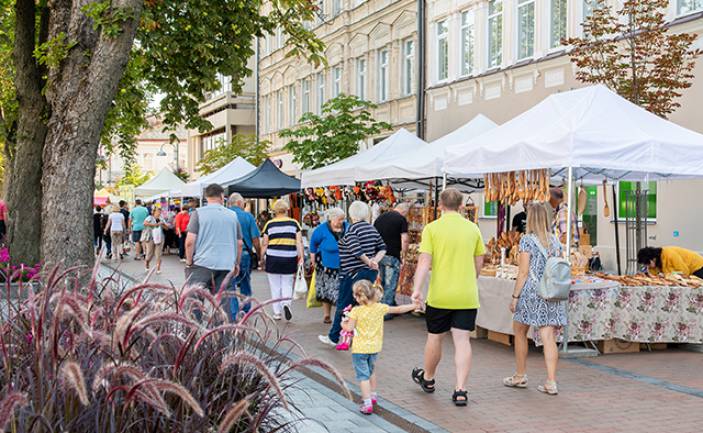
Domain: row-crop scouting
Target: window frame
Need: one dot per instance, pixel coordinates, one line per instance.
(292, 105)
(320, 101)
(305, 95)
(383, 94)
(441, 39)
(337, 7)
(280, 108)
(337, 80)
(408, 67)
(520, 4)
(467, 26)
(677, 8)
(498, 16)
(550, 25)
(361, 77)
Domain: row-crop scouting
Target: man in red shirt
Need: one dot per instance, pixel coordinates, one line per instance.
(181, 223)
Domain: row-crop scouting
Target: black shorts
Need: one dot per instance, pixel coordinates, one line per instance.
(440, 320)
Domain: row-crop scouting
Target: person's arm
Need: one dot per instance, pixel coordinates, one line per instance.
(255, 235)
(299, 244)
(108, 225)
(422, 269)
(402, 309)
(264, 247)
(190, 248)
(349, 324)
(404, 243)
(479, 252)
(381, 250)
(522, 274)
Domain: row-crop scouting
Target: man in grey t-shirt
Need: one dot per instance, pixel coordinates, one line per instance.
(213, 244)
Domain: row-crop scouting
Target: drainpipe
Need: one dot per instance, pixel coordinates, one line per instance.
(421, 69)
(257, 126)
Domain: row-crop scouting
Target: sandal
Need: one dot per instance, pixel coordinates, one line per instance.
(418, 376)
(460, 398)
(549, 388)
(516, 381)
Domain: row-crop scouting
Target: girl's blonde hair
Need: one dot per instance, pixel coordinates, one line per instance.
(280, 207)
(366, 293)
(539, 222)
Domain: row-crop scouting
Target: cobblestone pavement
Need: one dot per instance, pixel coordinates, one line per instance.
(641, 392)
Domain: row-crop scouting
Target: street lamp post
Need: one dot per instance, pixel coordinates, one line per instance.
(175, 144)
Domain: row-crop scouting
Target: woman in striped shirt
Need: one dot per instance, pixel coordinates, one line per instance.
(360, 250)
(281, 252)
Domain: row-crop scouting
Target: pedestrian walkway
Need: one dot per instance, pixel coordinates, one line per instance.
(641, 392)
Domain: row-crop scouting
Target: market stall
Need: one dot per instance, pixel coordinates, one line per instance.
(235, 169)
(591, 134)
(266, 181)
(163, 182)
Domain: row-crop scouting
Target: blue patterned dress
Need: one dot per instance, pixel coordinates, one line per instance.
(531, 308)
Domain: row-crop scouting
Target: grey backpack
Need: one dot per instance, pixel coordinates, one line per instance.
(556, 280)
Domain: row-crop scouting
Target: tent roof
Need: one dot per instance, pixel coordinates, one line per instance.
(265, 181)
(426, 161)
(235, 169)
(164, 181)
(591, 129)
(350, 170)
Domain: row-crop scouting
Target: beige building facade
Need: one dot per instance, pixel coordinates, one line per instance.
(371, 51)
(228, 113)
(500, 58)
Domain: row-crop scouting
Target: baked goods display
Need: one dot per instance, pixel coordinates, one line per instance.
(508, 240)
(513, 186)
(639, 280)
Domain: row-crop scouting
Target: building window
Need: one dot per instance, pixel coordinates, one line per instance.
(336, 7)
(687, 6)
(557, 22)
(320, 10)
(442, 51)
(279, 38)
(525, 29)
(588, 8)
(306, 95)
(627, 189)
(320, 91)
(495, 33)
(467, 43)
(336, 81)
(267, 113)
(358, 2)
(292, 105)
(383, 75)
(225, 83)
(408, 66)
(361, 78)
(279, 110)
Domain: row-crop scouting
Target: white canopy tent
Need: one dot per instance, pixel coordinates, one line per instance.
(427, 161)
(592, 130)
(351, 170)
(163, 182)
(237, 168)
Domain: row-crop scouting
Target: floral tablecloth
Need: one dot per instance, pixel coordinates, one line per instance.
(652, 314)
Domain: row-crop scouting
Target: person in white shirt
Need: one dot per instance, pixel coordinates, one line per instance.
(153, 237)
(116, 228)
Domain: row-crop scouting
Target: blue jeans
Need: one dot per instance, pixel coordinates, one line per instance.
(243, 280)
(364, 365)
(389, 270)
(346, 297)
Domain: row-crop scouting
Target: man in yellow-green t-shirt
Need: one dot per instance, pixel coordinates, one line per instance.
(453, 248)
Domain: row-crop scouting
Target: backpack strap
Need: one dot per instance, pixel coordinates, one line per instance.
(540, 247)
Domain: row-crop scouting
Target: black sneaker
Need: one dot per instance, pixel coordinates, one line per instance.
(287, 312)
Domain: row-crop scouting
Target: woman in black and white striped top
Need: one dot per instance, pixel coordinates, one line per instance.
(360, 250)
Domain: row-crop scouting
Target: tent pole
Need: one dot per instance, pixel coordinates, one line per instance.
(617, 230)
(436, 196)
(444, 181)
(569, 194)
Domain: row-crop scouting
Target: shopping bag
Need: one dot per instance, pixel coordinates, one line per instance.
(312, 301)
(300, 288)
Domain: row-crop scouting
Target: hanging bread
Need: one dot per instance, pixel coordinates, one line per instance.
(582, 200)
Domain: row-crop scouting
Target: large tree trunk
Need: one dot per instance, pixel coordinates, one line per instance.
(24, 192)
(80, 95)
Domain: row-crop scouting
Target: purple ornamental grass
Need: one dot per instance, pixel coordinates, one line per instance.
(83, 355)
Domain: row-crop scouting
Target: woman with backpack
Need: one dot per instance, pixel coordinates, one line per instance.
(529, 305)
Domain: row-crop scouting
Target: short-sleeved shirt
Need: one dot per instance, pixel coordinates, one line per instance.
(453, 242)
(368, 329)
(282, 250)
(361, 239)
(181, 221)
(138, 215)
(3, 210)
(116, 222)
(218, 231)
(391, 226)
(249, 229)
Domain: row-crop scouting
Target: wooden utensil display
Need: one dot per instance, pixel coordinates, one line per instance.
(582, 200)
(606, 208)
(511, 187)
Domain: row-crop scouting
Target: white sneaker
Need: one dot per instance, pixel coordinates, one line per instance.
(326, 340)
(183, 260)
(276, 317)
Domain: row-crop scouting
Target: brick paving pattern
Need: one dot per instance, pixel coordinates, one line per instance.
(592, 399)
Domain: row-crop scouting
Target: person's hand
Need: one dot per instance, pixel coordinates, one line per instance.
(513, 305)
(417, 297)
(235, 271)
(262, 262)
(373, 265)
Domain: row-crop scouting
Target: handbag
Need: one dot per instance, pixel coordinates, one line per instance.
(312, 301)
(555, 283)
(300, 287)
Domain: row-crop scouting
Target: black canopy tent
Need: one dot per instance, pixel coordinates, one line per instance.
(266, 181)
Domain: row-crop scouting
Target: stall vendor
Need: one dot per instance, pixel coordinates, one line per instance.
(671, 259)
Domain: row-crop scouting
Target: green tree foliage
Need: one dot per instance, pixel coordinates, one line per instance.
(244, 146)
(182, 174)
(133, 176)
(633, 52)
(8, 100)
(323, 139)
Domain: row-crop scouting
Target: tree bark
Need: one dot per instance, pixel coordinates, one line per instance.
(80, 95)
(24, 192)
